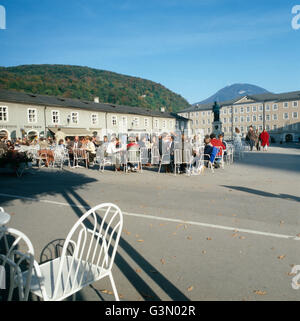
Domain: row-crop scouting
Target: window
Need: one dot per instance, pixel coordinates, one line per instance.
(74, 117)
(156, 123)
(208, 130)
(3, 113)
(124, 121)
(230, 110)
(267, 107)
(236, 119)
(248, 109)
(248, 119)
(268, 117)
(94, 119)
(286, 105)
(135, 121)
(275, 107)
(295, 114)
(260, 108)
(285, 115)
(197, 123)
(203, 121)
(171, 123)
(225, 120)
(242, 128)
(225, 129)
(295, 103)
(192, 114)
(274, 127)
(32, 117)
(225, 111)
(208, 113)
(55, 116)
(260, 117)
(267, 127)
(114, 120)
(254, 118)
(242, 110)
(254, 109)
(208, 121)
(294, 126)
(242, 119)
(203, 113)
(164, 124)
(235, 110)
(260, 127)
(146, 122)
(197, 114)
(275, 117)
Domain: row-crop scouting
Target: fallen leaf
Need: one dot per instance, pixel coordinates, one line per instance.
(138, 270)
(280, 257)
(162, 261)
(185, 226)
(234, 235)
(104, 291)
(128, 233)
(281, 222)
(190, 288)
(258, 292)
(242, 237)
(136, 235)
(291, 274)
(233, 214)
(140, 240)
(208, 238)
(189, 237)
(203, 252)
(174, 233)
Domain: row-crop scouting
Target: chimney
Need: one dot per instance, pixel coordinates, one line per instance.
(162, 109)
(96, 100)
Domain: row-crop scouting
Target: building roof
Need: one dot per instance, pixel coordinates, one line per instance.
(265, 97)
(55, 101)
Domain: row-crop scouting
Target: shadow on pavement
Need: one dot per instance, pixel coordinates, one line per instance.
(263, 193)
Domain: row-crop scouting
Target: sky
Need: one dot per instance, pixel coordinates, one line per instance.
(192, 47)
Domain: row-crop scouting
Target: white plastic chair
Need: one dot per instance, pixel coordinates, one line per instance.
(177, 159)
(103, 160)
(95, 243)
(134, 157)
(80, 154)
(14, 256)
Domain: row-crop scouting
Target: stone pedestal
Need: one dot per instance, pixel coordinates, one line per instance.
(217, 128)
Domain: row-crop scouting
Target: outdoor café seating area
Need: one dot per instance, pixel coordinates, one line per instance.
(165, 153)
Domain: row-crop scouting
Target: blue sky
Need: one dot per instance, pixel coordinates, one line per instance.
(192, 47)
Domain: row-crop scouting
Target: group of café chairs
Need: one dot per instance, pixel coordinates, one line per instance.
(87, 256)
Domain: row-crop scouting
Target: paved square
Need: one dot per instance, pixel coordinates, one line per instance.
(231, 235)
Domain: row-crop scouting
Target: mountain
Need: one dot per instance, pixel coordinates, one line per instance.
(86, 83)
(232, 92)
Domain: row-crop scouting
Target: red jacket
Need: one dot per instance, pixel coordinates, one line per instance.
(217, 143)
(264, 136)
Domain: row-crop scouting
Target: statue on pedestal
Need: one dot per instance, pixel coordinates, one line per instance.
(216, 111)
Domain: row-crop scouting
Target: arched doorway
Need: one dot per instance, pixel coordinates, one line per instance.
(4, 133)
(288, 138)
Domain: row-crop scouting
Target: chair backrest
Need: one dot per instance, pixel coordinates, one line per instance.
(144, 155)
(177, 156)
(155, 157)
(17, 253)
(187, 155)
(80, 153)
(95, 237)
(134, 156)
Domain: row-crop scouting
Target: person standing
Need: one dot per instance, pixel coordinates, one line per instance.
(264, 136)
(257, 142)
(251, 137)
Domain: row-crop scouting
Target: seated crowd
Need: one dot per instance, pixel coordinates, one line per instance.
(165, 144)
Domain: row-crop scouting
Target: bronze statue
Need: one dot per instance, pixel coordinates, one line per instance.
(216, 111)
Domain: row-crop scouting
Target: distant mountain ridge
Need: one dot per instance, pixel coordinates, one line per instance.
(87, 83)
(234, 91)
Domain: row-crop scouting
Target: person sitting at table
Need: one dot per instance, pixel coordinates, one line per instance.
(210, 152)
(91, 150)
(132, 146)
(217, 143)
(43, 143)
(73, 145)
(113, 153)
